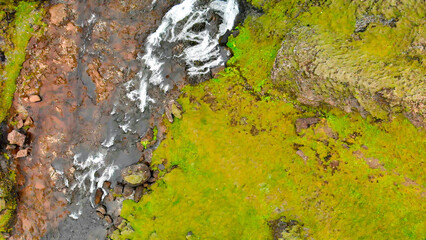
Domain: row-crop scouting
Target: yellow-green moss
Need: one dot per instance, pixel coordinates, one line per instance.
(18, 33)
(235, 162)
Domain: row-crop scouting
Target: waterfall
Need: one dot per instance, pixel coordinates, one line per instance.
(193, 24)
(187, 23)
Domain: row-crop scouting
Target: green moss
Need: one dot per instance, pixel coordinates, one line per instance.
(18, 33)
(230, 179)
(234, 162)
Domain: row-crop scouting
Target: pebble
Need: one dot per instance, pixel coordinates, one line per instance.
(34, 98)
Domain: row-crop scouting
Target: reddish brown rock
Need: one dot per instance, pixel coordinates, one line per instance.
(98, 196)
(16, 137)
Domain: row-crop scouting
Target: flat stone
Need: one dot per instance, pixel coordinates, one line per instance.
(16, 137)
(22, 153)
(34, 98)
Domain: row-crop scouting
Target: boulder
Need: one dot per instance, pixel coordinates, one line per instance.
(16, 137)
(136, 175)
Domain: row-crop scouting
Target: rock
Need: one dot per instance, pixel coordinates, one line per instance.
(374, 163)
(98, 196)
(111, 230)
(28, 122)
(118, 221)
(118, 189)
(136, 175)
(22, 153)
(57, 13)
(20, 124)
(108, 219)
(127, 191)
(106, 185)
(101, 209)
(100, 215)
(109, 198)
(176, 110)
(302, 155)
(16, 137)
(34, 98)
(304, 123)
(138, 193)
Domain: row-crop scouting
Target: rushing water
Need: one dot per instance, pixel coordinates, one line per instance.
(188, 35)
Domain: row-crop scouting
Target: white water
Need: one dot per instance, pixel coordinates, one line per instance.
(177, 27)
(200, 57)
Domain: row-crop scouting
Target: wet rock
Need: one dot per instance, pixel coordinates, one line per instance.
(16, 137)
(138, 193)
(304, 123)
(109, 198)
(118, 221)
(118, 189)
(111, 230)
(34, 98)
(102, 209)
(98, 195)
(108, 219)
(147, 140)
(100, 215)
(127, 191)
(106, 185)
(136, 175)
(22, 153)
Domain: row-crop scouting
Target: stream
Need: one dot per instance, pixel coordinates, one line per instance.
(184, 48)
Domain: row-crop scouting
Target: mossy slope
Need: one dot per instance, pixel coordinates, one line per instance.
(18, 21)
(366, 56)
(235, 162)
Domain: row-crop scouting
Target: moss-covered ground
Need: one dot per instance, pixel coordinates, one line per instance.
(234, 162)
(18, 19)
